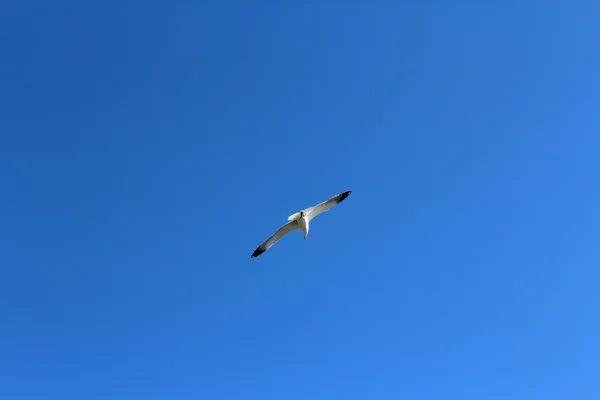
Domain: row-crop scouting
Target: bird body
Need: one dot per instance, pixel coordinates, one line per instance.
(303, 224)
(300, 220)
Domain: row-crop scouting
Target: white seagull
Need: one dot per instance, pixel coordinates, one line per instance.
(300, 221)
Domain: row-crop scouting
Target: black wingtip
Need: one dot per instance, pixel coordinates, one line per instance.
(344, 195)
(257, 252)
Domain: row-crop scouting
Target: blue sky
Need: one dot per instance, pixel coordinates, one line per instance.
(147, 148)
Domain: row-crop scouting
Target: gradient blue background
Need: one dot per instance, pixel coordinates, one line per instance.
(148, 147)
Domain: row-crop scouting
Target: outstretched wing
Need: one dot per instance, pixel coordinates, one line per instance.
(326, 205)
(284, 230)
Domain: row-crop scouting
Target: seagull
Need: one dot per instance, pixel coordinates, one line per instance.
(300, 220)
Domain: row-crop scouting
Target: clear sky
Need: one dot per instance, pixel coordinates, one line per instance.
(148, 147)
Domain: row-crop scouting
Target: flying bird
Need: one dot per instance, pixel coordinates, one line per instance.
(300, 220)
